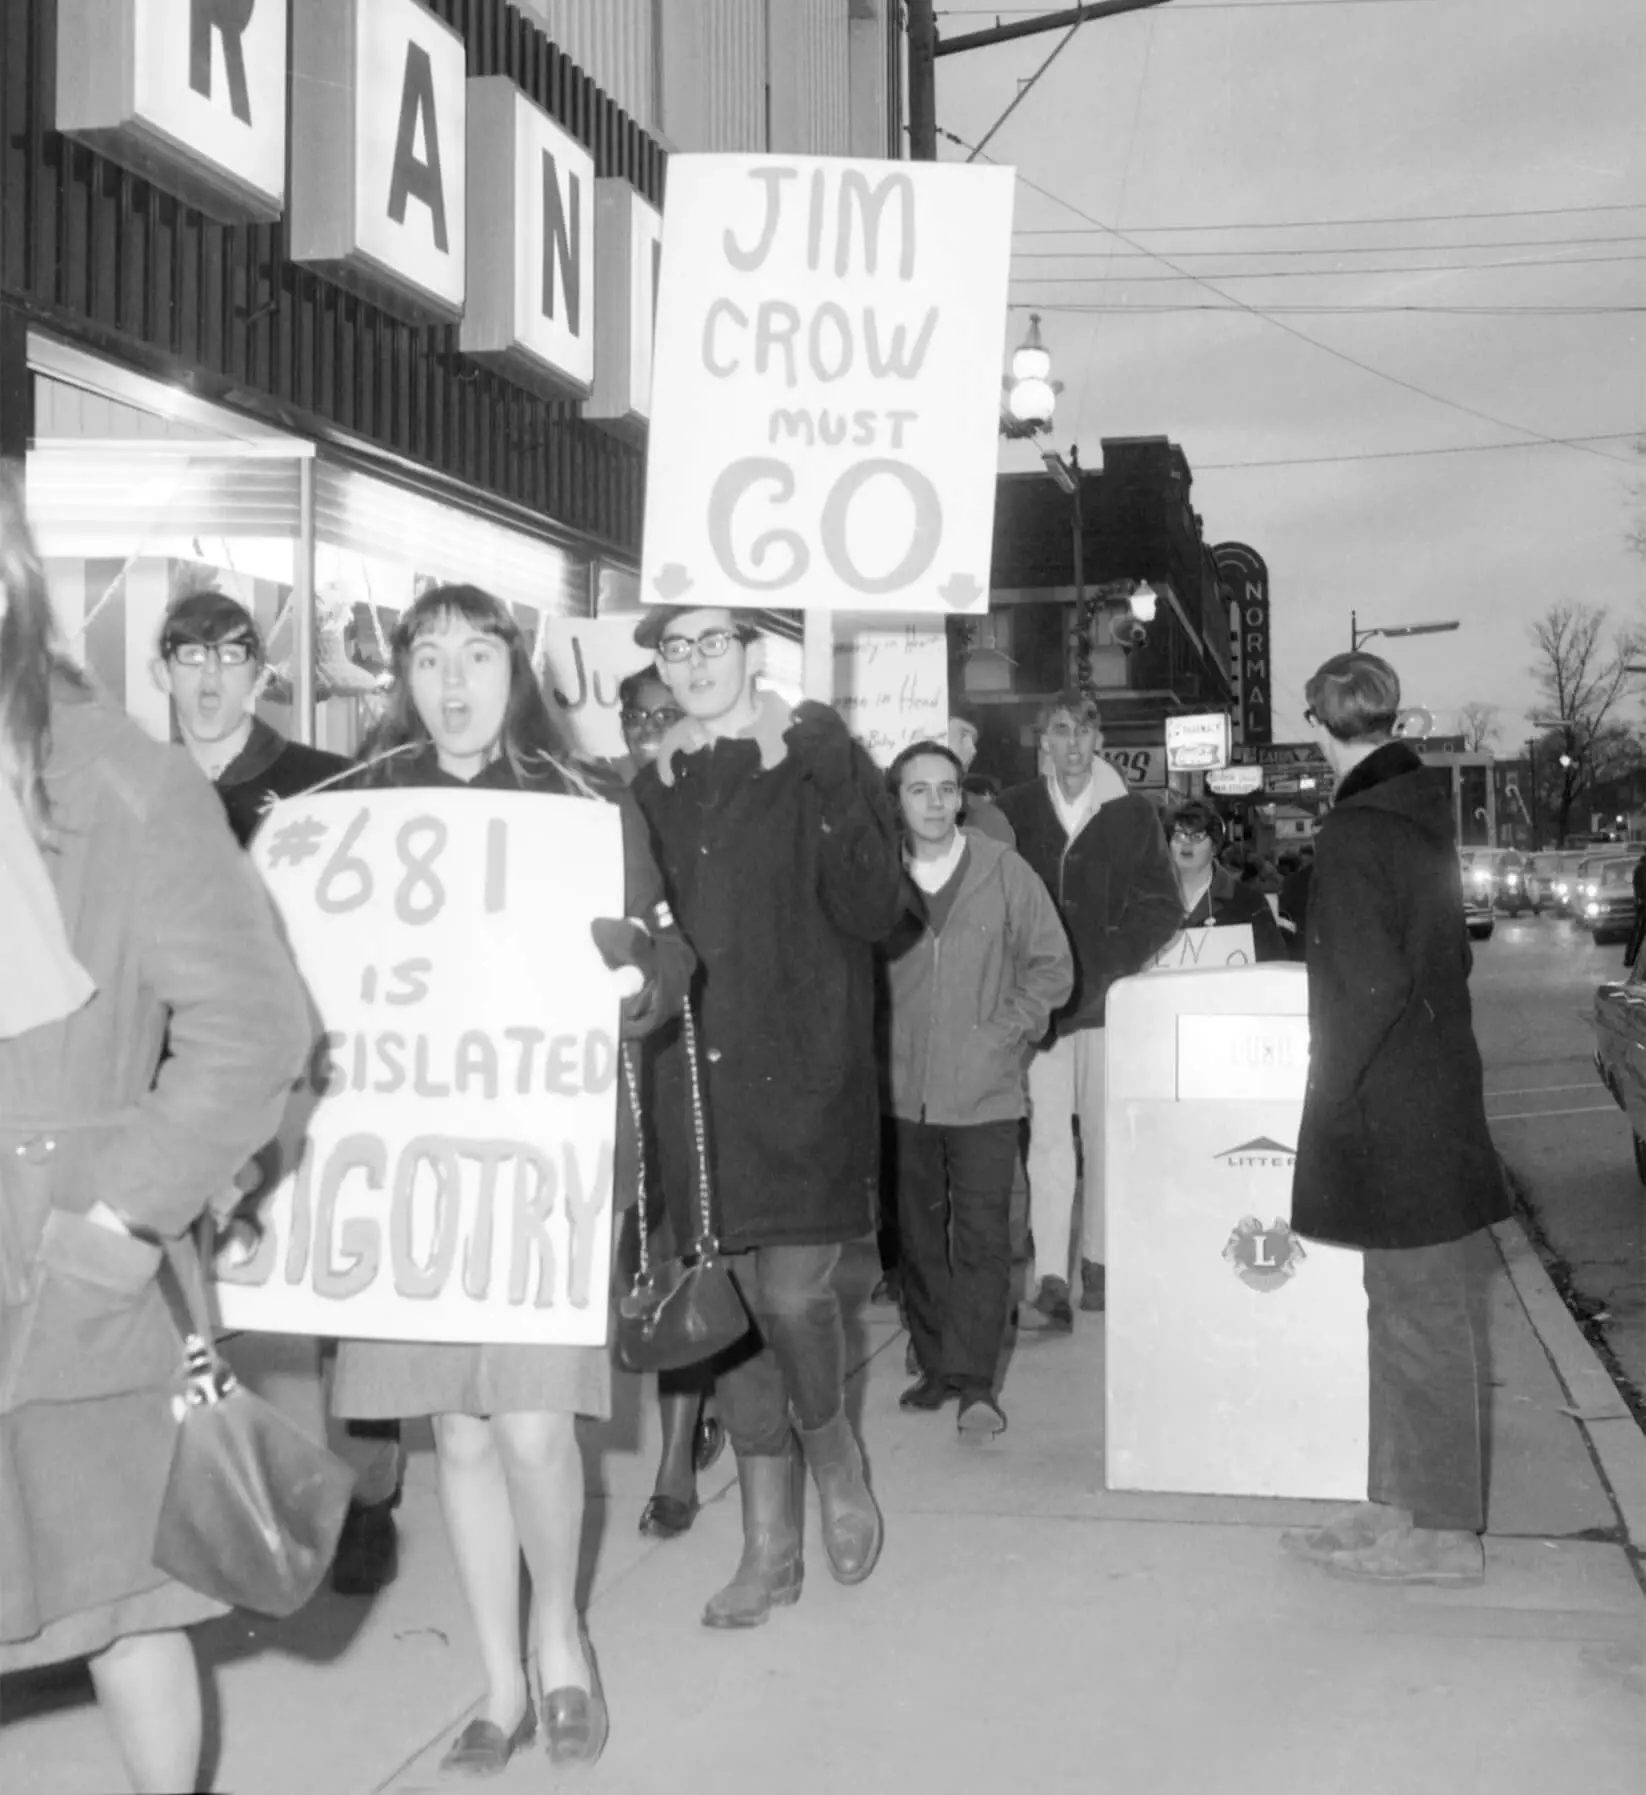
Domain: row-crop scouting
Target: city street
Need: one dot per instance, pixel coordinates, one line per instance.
(1565, 1140)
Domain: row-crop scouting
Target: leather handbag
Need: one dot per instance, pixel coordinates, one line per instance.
(253, 1507)
(687, 1308)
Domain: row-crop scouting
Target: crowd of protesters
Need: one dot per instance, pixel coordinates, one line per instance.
(871, 957)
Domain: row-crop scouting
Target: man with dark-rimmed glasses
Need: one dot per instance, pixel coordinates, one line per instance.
(780, 852)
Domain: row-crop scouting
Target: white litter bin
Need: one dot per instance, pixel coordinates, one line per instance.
(1236, 1352)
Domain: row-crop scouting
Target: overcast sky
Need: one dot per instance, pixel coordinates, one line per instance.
(1265, 113)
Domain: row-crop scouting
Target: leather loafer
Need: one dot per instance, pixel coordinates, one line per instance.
(928, 1393)
(667, 1517)
(575, 1721)
(484, 1749)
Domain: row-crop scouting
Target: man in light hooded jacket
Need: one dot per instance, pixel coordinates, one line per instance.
(974, 974)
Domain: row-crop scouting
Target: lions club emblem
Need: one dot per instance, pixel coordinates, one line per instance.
(1263, 1258)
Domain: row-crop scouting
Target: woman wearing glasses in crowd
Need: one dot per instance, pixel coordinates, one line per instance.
(1212, 896)
(465, 711)
(693, 1435)
(127, 912)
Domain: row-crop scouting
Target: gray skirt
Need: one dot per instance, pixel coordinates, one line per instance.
(385, 1380)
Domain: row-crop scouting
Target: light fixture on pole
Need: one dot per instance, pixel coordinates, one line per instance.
(1357, 635)
(1030, 392)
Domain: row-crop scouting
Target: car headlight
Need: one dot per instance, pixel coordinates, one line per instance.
(1562, 889)
(1594, 909)
(1511, 878)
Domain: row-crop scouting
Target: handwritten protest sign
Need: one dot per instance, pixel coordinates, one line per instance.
(1197, 950)
(826, 386)
(445, 1168)
(892, 685)
(581, 661)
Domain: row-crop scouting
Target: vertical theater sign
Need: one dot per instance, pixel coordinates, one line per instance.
(1246, 580)
(441, 198)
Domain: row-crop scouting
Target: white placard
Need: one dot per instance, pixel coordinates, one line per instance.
(445, 1169)
(1198, 743)
(891, 684)
(582, 661)
(826, 386)
(1202, 950)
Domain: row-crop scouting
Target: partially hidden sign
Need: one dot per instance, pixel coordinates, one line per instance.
(582, 661)
(1198, 950)
(445, 1168)
(891, 684)
(826, 388)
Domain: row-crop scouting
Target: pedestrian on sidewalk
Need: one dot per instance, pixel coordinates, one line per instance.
(1102, 854)
(780, 854)
(465, 711)
(125, 907)
(212, 664)
(693, 1434)
(974, 971)
(1212, 897)
(1393, 1155)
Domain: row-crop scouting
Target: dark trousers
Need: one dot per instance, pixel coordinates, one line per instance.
(954, 1199)
(797, 1377)
(1425, 1322)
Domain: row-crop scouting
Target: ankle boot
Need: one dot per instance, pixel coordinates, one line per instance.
(852, 1528)
(771, 1570)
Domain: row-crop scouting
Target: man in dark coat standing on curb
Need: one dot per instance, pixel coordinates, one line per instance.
(780, 853)
(1102, 854)
(1394, 1156)
(211, 664)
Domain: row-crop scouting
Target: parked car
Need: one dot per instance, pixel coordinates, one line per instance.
(1480, 872)
(1510, 883)
(1587, 880)
(1537, 881)
(1561, 874)
(1620, 1052)
(1610, 914)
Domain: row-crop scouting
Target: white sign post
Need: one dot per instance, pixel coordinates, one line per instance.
(826, 386)
(891, 684)
(445, 1170)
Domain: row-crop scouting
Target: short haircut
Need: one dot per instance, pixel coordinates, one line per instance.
(208, 617)
(648, 632)
(628, 688)
(894, 773)
(1356, 697)
(1198, 815)
(1082, 706)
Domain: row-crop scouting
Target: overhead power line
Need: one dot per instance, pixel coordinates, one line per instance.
(1133, 280)
(1148, 308)
(1340, 249)
(1309, 224)
(1302, 336)
(1553, 442)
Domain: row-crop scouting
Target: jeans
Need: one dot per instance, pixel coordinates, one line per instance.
(1427, 1363)
(1066, 1080)
(797, 1378)
(954, 1193)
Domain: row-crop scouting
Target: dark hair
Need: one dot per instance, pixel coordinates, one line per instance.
(31, 655)
(1198, 815)
(1355, 697)
(628, 688)
(1082, 706)
(980, 785)
(530, 741)
(209, 616)
(894, 773)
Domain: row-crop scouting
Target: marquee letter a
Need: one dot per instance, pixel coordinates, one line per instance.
(414, 179)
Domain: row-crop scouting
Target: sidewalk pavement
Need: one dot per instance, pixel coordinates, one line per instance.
(1024, 1628)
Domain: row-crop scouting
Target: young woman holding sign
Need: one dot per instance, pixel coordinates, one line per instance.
(1212, 897)
(465, 709)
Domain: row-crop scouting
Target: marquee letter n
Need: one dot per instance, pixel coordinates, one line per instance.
(562, 244)
(229, 18)
(414, 179)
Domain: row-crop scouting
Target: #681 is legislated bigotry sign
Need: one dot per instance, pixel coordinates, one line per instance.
(826, 384)
(444, 1171)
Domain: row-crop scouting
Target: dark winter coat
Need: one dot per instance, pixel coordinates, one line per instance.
(1113, 886)
(167, 916)
(1393, 1151)
(1226, 903)
(782, 887)
(267, 769)
(968, 1005)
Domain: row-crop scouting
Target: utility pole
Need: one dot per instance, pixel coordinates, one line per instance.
(922, 81)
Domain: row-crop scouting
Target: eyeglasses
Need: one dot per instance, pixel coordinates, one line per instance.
(196, 654)
(1192, 835)
(712, 644)
(664, 717)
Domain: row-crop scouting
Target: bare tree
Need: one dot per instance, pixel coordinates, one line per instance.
(1477, 724)
(1637, 493)
(1582, 675)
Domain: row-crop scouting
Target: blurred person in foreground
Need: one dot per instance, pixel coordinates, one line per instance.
(1393, 1155)
(121, 885)
(1212, 896)
(212, 663)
